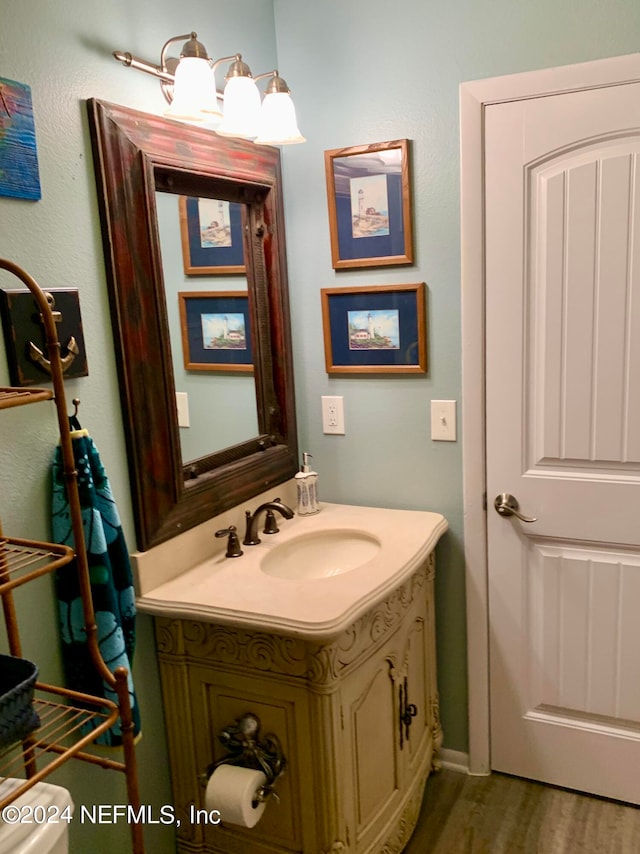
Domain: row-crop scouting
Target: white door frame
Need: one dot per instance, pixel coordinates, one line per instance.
(474, 97)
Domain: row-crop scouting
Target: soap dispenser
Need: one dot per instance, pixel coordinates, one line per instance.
(306, 484)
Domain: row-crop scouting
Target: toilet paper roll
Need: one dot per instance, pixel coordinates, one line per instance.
(231, 790)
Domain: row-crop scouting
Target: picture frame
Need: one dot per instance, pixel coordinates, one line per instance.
(375, 330)
(369, 199)
(211, 234)
(215, 328)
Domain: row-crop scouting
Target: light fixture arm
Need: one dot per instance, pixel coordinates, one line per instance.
(130, 61)
(164, 71)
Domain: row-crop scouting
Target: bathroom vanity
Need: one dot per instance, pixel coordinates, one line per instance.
(341, 667)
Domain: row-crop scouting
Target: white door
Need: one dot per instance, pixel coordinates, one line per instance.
(563, 437)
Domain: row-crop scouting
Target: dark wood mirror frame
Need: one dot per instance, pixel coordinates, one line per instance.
(135, 155)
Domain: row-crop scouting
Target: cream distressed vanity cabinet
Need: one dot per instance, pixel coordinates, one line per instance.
(356, 713)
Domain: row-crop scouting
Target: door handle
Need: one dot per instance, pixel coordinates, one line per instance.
(507, 505)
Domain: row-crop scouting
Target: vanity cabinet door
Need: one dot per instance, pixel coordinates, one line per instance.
(422, 735)
(387, 723)
(218, 699)
(415, 691)
(369, 715)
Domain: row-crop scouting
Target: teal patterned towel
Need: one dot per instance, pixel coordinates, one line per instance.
(111, 580)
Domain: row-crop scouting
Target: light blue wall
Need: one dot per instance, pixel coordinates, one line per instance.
(368, 71)
(360, 72)
(62, 49)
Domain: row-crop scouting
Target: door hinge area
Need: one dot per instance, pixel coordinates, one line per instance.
(484, 500)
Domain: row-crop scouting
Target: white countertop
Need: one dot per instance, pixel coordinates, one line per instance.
(235, 591)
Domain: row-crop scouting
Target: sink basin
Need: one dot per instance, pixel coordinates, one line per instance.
(311, 580)
(321, 554)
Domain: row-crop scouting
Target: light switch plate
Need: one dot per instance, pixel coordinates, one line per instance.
(443, 420)
(182, 404)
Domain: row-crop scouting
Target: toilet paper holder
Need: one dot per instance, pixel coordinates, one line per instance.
(249, 749)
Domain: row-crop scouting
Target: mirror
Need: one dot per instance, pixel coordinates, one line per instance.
(209, 370)
(140, 160)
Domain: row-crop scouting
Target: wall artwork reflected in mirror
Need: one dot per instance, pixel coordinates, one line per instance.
(144, 165)
(219, 410)
(211, 232)
(216, 331)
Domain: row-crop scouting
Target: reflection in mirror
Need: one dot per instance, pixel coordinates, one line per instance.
(143, 163)
(216, 400)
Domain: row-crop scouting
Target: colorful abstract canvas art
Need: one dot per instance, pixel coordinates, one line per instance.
(19, 176)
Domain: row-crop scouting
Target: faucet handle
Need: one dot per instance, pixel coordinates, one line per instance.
(233, 543)
(270, 524)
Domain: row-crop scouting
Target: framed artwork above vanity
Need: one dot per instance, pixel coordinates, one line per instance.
(369, 198)
(375, 330)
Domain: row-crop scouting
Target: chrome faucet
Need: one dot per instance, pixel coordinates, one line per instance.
(251, 537)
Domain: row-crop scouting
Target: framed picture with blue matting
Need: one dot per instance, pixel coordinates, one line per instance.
(369, 198)
(375, 330)
(211, 235)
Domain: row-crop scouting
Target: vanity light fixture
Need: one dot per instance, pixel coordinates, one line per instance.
(189, 86)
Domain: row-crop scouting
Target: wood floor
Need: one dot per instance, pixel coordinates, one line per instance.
(506, 815)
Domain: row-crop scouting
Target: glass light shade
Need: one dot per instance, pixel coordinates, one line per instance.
(241, 108)
(278, 125)
(194, 91)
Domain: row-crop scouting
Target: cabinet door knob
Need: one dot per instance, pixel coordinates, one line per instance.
(410, 711)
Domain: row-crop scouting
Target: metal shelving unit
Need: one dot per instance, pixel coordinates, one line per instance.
(63, 713)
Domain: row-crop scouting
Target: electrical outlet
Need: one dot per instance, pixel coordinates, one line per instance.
(333, 415)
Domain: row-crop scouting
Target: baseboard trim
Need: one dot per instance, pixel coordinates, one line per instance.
(454, 760)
